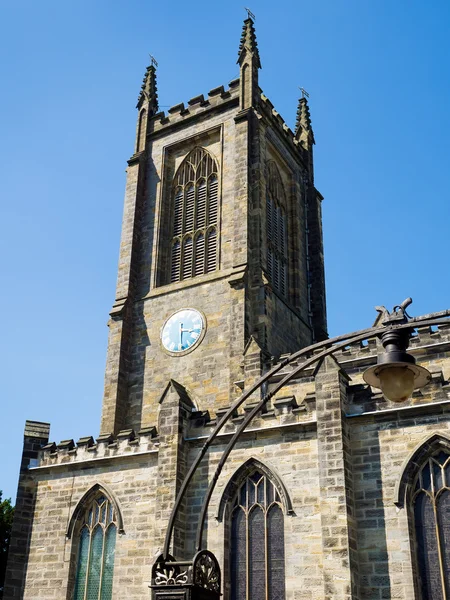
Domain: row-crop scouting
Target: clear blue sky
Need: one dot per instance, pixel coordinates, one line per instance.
(378, 78)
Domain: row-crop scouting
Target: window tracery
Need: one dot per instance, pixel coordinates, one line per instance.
(431, 517)
(194, 216)
(257, 540)
(276, 230)
(96, 550)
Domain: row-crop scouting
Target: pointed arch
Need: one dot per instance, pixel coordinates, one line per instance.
(254, 504)
(414, 462)
(275, 183)
(244, 471)
(194, 216)
(198, 164)
(77, 514)
(424, 489)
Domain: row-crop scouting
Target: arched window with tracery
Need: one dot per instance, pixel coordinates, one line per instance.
(276, 230)
(194, 216)
(257, 540)
(430, 510)
(96, 530)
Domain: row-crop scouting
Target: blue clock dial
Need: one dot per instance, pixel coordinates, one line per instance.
(183, 330)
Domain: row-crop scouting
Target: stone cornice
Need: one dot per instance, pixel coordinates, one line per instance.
(170, 288)
(311, 424)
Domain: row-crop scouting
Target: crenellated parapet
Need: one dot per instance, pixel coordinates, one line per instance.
(126, 443)
(423, 342)
(274, 118)
(217, 99)
(430, 347)
(285, 413)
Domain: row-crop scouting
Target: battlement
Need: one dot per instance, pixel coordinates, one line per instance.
(423, 341)
(87, 449)
(286, 411)
(280, 125)
(198, 105)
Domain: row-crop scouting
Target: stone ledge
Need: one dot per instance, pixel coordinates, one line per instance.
(411, 410)
(310, 424)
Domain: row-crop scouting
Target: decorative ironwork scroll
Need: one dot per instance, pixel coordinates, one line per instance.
(165, 573)
(206, 571)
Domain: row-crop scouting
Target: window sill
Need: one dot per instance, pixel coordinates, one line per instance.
(192, 282)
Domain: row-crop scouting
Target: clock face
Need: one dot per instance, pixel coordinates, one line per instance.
(183, 331)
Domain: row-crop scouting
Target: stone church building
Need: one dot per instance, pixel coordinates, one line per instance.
(331, 492)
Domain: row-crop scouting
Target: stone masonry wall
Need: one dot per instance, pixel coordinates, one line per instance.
(338, 447)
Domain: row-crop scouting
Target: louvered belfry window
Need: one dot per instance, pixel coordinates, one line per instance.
(257, 541)
(194, 216)
(97, 542)
(276, 230)
(431, 515)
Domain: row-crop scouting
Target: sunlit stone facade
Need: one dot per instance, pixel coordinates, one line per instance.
(325, 495)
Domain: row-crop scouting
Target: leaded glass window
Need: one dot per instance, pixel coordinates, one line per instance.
(276, 230)
(194, 217)
(431, 515)
(257, 541)
(96, 548)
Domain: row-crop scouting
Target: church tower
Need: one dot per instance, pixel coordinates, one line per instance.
(221, 256)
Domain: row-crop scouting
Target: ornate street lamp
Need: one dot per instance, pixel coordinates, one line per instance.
(395, 373)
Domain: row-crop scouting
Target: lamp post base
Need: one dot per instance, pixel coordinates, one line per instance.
(198, 579)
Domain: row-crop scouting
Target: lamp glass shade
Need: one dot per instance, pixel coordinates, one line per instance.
(396, 382)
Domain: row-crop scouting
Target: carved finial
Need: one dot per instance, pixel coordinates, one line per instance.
(149, 91)
(398, 312)
(303, 128)
(248, 41)
(250, 15)
(384, 313)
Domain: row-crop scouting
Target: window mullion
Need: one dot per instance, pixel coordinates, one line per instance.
(438, 538)
(182, 244)
(205, 251)
(103, 559)
(88, 564)
(266, 545)
(195, 210)
(183, 221)
(208, 193)
(436, 524)
(247, 548)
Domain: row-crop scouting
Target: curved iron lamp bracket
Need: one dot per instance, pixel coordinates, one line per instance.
(396, 319)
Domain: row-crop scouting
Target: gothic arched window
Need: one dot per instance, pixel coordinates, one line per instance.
(431, 518)
(276, 230)
(194, 216)
(257, 540)
(97, 530)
